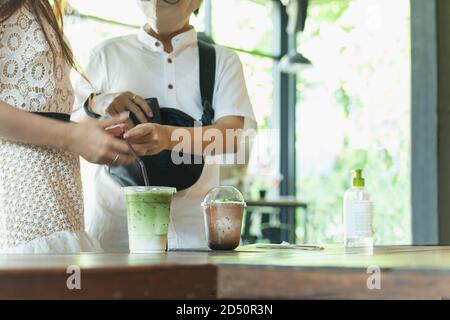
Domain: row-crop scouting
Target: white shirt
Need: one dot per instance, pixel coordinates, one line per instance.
(139, 64)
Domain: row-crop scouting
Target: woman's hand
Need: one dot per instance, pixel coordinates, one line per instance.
(149, 139)
(113, 104)
(91, 140)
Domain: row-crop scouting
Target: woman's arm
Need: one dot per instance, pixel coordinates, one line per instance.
(87, 139)
(25, 127)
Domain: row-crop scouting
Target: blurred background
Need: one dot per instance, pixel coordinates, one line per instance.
(349, 108)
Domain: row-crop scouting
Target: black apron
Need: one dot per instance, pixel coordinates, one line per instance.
(161, 169)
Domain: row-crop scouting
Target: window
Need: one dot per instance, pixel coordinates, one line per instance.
(246, 26)
(354, 112)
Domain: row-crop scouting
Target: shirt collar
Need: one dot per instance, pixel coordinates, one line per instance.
(179, 42)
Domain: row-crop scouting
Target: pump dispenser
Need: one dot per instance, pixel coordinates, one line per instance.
(358, 180)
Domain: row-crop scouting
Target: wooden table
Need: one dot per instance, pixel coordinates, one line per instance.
(406, 272)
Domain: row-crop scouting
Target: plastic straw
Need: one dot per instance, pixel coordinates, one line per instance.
(141, 164)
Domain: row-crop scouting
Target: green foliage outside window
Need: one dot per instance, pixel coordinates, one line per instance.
(358, 97)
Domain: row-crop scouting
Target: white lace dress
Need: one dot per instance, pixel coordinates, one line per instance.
(41, 204)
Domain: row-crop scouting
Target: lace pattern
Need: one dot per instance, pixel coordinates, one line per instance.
(32, 79)
(40, 188)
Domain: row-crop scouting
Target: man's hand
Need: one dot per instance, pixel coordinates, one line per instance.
(149, 139)
(113, 104)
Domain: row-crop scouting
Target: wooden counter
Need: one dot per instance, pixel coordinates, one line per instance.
(406, 272)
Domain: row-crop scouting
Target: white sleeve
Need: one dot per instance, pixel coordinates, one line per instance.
(230, 95)
(97, 75)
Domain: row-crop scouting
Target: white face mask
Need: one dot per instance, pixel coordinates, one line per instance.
(168, 16)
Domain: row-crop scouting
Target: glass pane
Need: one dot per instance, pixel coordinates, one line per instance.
(263, 167)
(354, 111)
(258, 75)
(124, 11)
(245, 24)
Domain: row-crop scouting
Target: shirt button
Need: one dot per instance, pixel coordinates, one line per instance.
(169, 60)
(157, 44)
(170, 86)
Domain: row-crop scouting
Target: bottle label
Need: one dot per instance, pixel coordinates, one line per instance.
(358, 219)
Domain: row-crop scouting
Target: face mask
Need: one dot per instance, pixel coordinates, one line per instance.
(168, 16)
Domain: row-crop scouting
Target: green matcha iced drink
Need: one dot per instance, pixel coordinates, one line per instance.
(148, 211)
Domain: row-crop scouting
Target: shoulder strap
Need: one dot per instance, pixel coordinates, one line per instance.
(207, 55)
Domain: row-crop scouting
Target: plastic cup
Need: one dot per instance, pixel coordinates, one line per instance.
(148, 212)
(223, 208)
(223, 225)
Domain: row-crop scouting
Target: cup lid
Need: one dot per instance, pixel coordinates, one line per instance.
(223, 195)
(150, 189)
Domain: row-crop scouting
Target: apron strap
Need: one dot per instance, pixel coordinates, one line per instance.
(207, 55)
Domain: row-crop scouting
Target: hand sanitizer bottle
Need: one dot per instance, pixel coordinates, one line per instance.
(358, 214)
